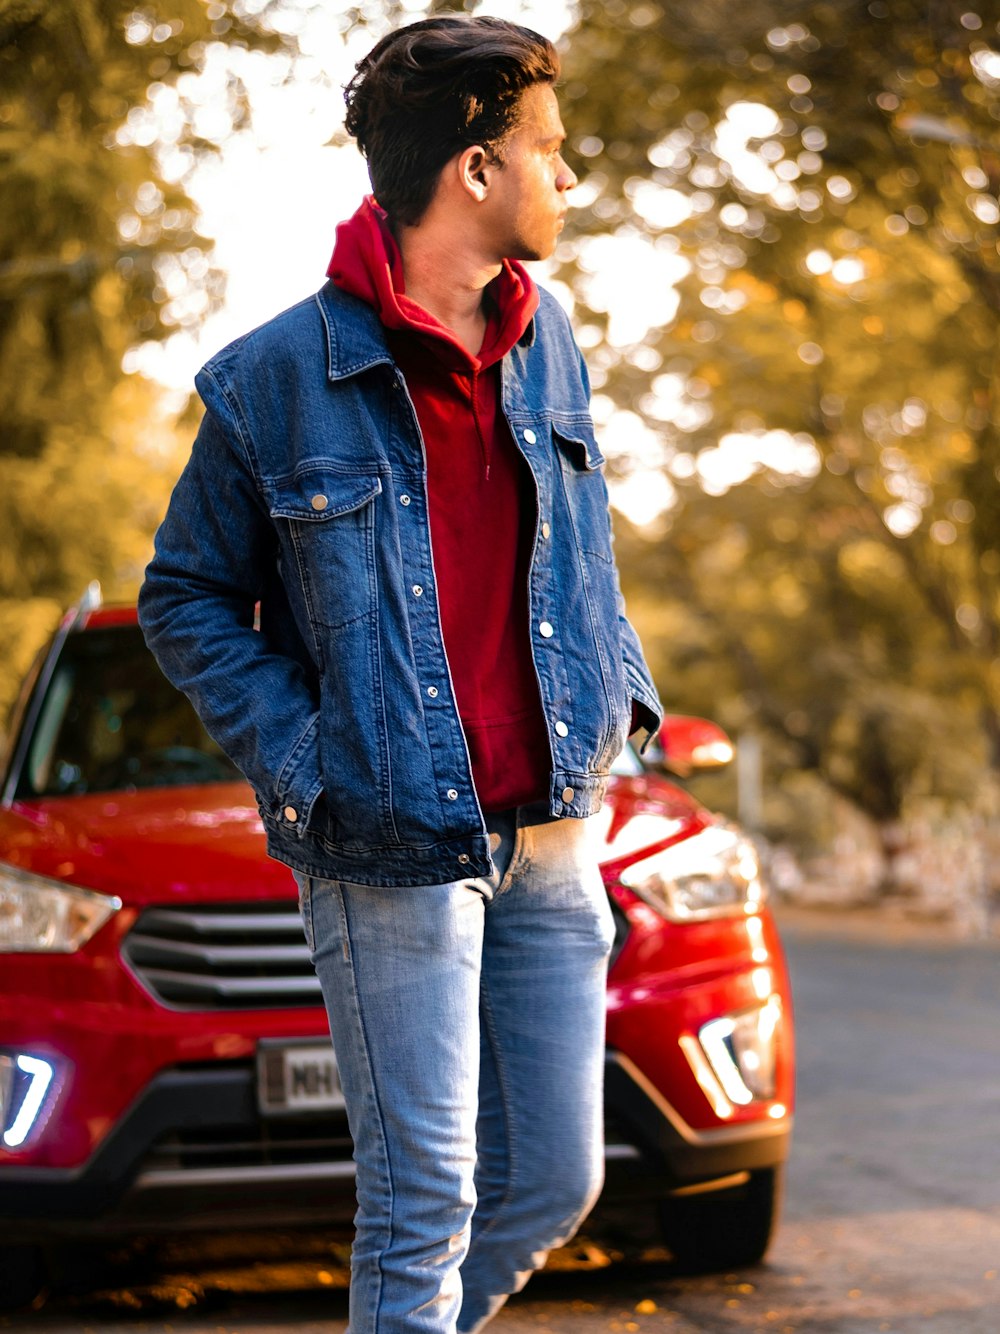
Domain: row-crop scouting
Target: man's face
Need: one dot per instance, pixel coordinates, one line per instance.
(527, 200)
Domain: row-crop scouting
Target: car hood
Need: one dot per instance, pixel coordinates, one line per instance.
(154, 845)
(207, 843)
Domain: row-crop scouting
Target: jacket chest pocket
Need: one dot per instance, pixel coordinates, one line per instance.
(326, 523)
(581, 464)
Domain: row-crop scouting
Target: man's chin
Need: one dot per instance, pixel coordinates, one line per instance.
(532, 254)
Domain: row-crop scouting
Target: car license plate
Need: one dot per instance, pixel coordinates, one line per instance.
(294, 1077)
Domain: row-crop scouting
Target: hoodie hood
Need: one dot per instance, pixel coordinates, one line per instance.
(367, 263)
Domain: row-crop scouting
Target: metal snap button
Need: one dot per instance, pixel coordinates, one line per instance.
(451, 794)
(432, 691)
(546, 531)
(562, 729)
(546, 630)
(404, 500)
(290, 814)
(568, 794)
(529, 436)
(319, 502)
(463, 858)
(417, 591)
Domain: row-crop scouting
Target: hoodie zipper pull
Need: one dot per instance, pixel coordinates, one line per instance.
(479, 426)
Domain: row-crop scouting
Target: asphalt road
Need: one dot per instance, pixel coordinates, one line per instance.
(893, 1213)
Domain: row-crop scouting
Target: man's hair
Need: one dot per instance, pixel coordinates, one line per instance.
(427, 91)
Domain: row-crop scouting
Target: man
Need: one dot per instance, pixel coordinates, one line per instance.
(402, 472)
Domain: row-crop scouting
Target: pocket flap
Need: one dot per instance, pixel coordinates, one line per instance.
(578, 444)
(318, 495)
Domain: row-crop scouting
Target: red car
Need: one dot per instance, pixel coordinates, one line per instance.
(164, 1053)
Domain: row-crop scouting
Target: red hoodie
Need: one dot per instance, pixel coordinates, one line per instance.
(482, 504)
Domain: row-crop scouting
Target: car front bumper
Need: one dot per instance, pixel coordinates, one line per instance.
(193, 1151)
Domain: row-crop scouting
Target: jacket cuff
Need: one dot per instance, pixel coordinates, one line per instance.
(298, 785)
(647, 717)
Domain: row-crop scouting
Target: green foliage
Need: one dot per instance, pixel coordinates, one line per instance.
(88, 216)
(91, 224)
(836, 584)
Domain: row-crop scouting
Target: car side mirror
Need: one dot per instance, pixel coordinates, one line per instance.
(685, 744)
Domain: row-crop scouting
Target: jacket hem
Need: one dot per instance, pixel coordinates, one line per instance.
(407, 866)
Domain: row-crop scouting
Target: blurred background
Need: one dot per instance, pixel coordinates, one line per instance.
(783, 265)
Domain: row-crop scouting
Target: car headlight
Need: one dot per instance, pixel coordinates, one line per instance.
(714, 873)
(41, 916)
(742, 1050)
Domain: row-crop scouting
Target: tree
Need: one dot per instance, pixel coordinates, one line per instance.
(99, 248)
(824, 400)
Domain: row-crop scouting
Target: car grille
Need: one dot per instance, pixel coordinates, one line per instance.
(243, 956)
(223, 957)
(285, 1144)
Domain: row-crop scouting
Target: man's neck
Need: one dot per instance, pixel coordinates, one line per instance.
(449, 284)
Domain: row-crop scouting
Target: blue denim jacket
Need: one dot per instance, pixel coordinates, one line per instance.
(306, 492)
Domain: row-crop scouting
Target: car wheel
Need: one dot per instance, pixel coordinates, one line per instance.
(723, 1229)
(22, 1276)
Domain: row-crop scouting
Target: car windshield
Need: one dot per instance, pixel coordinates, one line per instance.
(111, 721)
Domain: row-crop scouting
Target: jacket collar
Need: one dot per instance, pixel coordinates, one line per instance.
(355, 336)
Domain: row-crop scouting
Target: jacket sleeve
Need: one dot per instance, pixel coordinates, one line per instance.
(647, 711)
(197, 608)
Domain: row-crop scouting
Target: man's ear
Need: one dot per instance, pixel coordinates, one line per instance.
(475, 170)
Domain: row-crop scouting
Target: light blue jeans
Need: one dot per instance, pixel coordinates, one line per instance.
(468, 1024)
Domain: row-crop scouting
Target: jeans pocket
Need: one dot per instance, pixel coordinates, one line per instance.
(305, 885)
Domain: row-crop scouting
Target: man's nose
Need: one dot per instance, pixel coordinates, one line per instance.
(566, 178)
